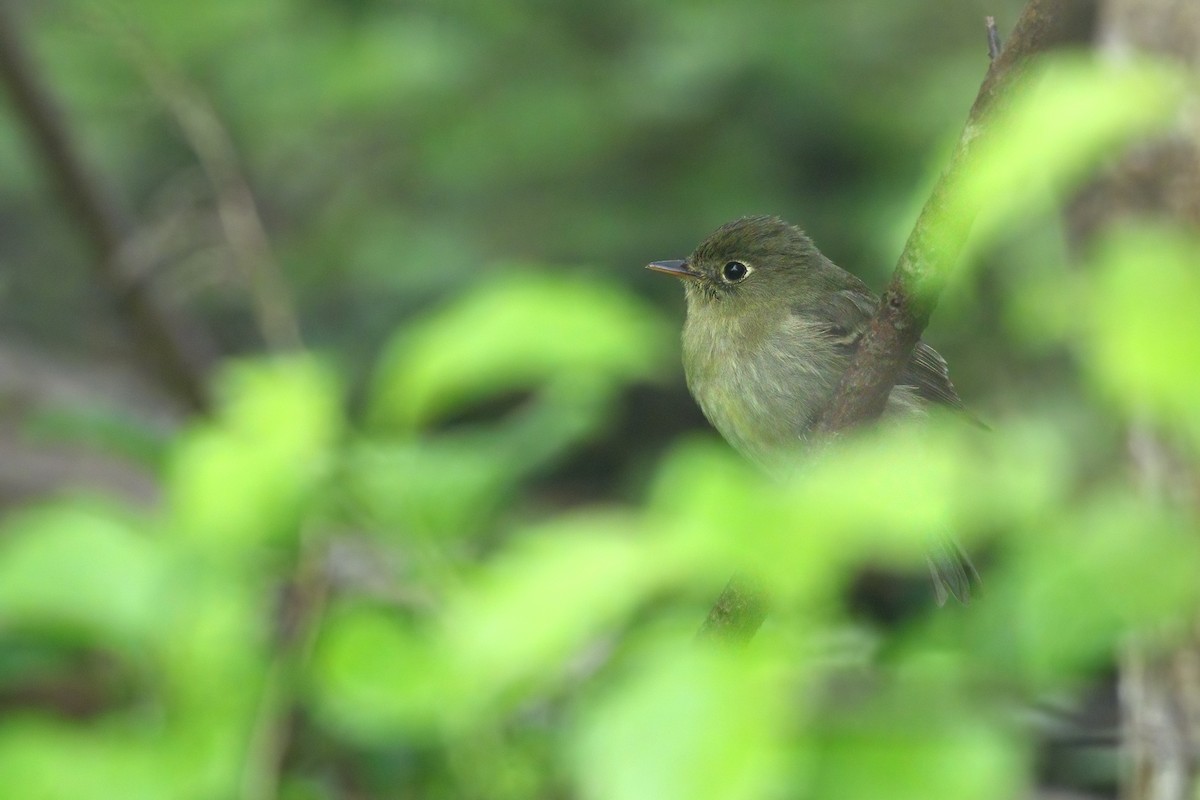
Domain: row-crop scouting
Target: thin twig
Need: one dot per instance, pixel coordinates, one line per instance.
(302, 608)
(238, 212)
(993, 38)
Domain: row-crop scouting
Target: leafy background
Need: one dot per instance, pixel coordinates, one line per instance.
(459, 542)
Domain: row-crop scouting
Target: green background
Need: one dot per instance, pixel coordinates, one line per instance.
(458, 544)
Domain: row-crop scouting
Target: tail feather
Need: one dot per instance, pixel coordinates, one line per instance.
(952, 570)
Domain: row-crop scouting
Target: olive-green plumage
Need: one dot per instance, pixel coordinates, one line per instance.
(771, 326)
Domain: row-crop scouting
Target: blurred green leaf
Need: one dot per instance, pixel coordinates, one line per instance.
(83, 569)
(455, 483)
(215, 674)
(551, 594)
(880, 496)
(907, 753)
(1061, 122)
(374, 676)
(1142, 342)
(684, 722)
(242, 479)
(442, 487)
(1085, 580)
(59, 761)
(518, 330)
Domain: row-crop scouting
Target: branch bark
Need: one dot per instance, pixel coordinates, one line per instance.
(933, 247)
(166, 342)
(941, 230)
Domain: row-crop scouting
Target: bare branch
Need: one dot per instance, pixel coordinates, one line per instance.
(237, 209)
(171, 346)
(993, 38)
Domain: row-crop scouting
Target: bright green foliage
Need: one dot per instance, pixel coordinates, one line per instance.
(1152, 362)
(1052, 135)
(574, 341)
(180, 604)
(250, 477)
(324, 606)
(685, 722)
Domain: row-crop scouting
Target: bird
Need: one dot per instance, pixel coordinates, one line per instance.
(771, 326)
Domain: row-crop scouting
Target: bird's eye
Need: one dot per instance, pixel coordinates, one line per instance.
(734, 271)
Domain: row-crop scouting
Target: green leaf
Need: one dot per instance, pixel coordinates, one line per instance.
(441, 487)
(57, 761)
(373, 675)
(1061, 121)
(546, 597)
(910, 754)
(243, 479)
(683, 723)
(454, 483)
(518, 330)
(1080, 583)
(83, 568)
(1143, 326)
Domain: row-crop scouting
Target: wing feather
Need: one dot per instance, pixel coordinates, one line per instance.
(926, 372)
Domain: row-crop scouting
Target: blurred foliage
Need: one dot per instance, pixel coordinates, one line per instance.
(365, 587)
(398, 148)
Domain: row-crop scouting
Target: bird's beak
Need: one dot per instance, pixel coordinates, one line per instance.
(677, 268)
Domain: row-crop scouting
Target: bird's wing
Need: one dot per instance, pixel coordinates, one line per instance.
(928, 374)
(926, 370)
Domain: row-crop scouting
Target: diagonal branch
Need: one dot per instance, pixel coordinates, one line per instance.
(940, 234)
(171, 347)
(935, 244)
(237, 209)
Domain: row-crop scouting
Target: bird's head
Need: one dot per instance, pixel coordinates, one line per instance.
(748, 265)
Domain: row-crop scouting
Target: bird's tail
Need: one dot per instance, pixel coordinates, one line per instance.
(952, 570)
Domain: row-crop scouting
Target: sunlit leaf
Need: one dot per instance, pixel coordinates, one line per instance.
(520, 330)
(57, 761)
(1059, 124)
(375, 676)
(75, 567)
(243, 478)
(543, 600)
(1143, 329)
(684, 722)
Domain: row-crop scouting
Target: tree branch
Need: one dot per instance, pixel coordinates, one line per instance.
(933, 247)
(993, 38)
(170, 346)
(940, 233)
(237, 209)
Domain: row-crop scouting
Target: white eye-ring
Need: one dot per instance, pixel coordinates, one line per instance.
(735, 272)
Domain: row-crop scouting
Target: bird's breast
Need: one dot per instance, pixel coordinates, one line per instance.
(760, 385)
